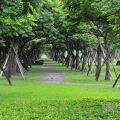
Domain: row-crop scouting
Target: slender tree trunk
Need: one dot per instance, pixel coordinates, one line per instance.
(107, 59)
(99, 62)
(68, 59)
(77, 60)
(83, 69)
(73, 61)
(107, 75)
(91, 64)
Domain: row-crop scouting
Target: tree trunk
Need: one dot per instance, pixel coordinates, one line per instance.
(107, 75)
(11, 67)
(83, 69)
(99, 62)
(77, 60)
(107, 58)
(93, 57)
(73, 61)
(68, 59)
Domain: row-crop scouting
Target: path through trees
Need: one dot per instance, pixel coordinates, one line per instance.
(82, 35)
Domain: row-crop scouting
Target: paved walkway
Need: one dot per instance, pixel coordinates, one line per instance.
(52, 76)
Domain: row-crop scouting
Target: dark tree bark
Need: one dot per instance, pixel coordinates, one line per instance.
(77, 60)
(73, 61)
(107, 59)
(67, 63)
(83, 69)
(107, 75)
(99, 62)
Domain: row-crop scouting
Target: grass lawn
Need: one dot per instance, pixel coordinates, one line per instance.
(76, 76)
(31, 99)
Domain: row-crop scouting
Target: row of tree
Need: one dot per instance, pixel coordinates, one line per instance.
(80, 34)
(89, 33)
(24, 27)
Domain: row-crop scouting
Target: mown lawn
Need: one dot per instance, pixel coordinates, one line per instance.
(31, 99)
(76, 76)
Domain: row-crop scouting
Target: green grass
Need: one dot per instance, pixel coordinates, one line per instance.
(31, 99)
(76, 76)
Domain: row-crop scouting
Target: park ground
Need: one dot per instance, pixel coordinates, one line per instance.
(74, 97)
